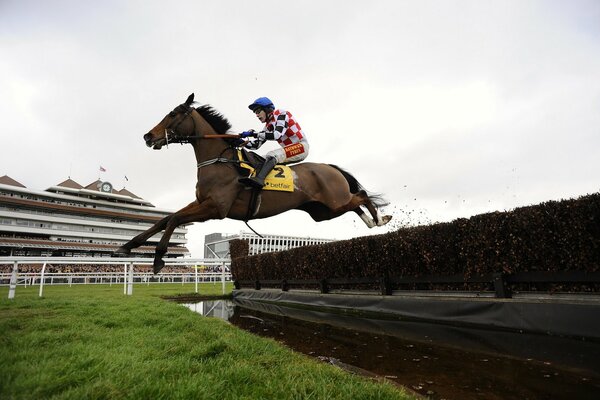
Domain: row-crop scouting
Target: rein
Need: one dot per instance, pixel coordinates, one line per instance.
(219, 159)
(187, 139)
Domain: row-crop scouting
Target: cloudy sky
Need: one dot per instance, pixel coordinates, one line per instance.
(449, 108)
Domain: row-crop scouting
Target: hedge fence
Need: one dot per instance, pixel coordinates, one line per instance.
(550, 246)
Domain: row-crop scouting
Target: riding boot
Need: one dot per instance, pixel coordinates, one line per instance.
(258, 181)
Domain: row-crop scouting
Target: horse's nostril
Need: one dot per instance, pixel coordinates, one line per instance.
(147, 136)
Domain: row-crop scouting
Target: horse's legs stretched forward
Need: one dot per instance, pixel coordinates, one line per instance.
(140, 239)
(194, 212)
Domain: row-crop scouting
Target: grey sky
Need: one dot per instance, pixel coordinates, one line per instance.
(449, 108)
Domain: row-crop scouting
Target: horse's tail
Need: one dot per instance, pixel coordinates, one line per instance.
(355, 187)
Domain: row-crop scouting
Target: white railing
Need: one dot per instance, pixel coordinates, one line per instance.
(128, 277)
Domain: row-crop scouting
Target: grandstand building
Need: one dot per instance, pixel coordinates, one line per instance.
(216, 245)
(72, 220)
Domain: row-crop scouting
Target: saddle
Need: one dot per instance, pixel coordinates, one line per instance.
(250, 158)
(279, 179)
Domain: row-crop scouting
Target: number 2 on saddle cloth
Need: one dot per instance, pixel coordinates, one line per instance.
(279, 179)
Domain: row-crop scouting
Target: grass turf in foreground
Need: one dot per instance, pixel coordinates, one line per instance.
(93, 342)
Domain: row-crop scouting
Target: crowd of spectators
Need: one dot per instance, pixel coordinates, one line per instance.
(99, 268)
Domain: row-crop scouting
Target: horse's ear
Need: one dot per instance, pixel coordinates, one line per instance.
(190, 99)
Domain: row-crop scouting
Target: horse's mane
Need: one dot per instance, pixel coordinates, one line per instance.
(219, 123)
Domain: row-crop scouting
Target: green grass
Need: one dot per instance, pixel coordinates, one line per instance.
(93, 342)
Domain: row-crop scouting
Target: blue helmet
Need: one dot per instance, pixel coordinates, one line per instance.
(262, 102)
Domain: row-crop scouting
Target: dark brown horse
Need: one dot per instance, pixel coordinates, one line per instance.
(324, 191)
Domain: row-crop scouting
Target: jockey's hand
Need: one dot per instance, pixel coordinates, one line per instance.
(239, 143)
(246, 134)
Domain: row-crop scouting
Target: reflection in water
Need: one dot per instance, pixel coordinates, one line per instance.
(435, 360)
(222, 309)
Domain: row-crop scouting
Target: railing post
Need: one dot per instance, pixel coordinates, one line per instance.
(130, 283)
(125, 279)
(223, 278)
(13, 281)
(42, 279)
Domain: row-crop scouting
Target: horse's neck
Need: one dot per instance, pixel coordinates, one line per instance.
(209, 148)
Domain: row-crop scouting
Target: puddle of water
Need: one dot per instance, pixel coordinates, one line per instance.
(223, 309)
(434, 360)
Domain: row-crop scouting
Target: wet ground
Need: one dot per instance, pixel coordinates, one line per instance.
(440, 362)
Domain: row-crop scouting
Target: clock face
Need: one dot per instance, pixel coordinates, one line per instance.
(106, 187)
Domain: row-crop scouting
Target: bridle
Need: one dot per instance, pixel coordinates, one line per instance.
(172, 127)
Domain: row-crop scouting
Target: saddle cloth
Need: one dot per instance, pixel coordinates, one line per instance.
(279, 179)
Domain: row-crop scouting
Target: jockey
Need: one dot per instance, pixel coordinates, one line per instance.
(280, 125)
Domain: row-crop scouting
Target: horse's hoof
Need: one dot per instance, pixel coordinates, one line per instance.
(122, 251)
(384, 220)
(158, 265)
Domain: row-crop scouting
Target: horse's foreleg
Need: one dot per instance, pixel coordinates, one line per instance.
(142, 237)
(195, 212)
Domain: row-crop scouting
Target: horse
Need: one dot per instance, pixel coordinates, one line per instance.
(324, 191)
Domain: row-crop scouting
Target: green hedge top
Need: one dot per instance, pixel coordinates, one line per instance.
(552, 236)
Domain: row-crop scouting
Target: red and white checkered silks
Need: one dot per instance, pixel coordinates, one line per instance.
(282, 127)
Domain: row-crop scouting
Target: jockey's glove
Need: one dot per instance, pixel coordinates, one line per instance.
(249, 133)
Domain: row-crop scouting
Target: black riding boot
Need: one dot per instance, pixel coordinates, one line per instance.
(258, 181)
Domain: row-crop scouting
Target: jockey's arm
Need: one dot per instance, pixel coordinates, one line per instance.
(281, 125)
(255, 144)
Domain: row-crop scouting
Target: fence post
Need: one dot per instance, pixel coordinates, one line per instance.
(385, 286)
(42, 279)
(130, 283)
(324, 286)
(13, 281)
(502, 291)
(196, 277)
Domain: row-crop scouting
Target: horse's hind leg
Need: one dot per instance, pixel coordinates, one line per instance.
(375, 219)
(319, 211)
(365, 217)
(322, 212)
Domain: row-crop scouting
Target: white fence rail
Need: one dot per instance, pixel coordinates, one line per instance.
(130, 274)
